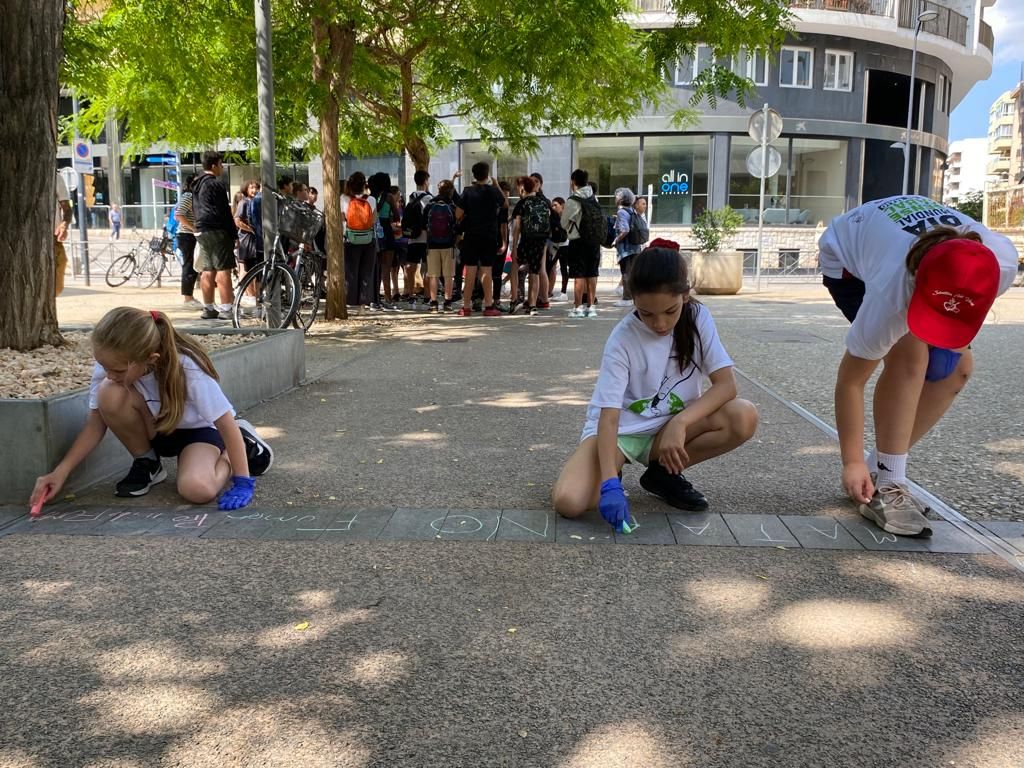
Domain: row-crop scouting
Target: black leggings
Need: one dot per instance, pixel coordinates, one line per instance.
(187, 244)
(847, 292)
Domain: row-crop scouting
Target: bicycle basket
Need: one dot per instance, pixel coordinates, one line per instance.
(156, 244)
(298, 221)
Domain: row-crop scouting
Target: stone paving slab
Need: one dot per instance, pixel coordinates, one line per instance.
(475, 525)
(414, 524)
(536, 525)
(877, 540)
(1010, 532)
(760, 531)
(820, 532)
(706, 529)
(842, 532)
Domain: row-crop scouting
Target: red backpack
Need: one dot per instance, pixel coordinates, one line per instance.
(440, 225)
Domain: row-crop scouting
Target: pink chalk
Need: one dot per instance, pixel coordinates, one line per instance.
(37, 509)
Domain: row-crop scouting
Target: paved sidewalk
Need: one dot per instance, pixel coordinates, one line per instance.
(168, 643)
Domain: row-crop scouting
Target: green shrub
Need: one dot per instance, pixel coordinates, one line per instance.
(713, 227)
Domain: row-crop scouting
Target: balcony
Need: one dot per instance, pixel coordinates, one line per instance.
(985, 36)
(949, 24)
(1000, 144)
(869, 7)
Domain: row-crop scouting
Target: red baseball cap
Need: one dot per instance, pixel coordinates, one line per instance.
(956, 285)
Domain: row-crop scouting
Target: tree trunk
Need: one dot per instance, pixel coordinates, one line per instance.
(30, 38)
(419, 153)
(336, 301)
(417, 148)
(333, 48)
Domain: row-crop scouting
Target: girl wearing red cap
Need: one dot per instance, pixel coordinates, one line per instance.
(648, 406)
(916, 280)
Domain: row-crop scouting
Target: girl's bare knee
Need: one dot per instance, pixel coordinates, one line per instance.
(745, 420)
(567, 503)
(197, 490)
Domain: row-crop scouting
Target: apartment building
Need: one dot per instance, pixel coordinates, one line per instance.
(966, 169)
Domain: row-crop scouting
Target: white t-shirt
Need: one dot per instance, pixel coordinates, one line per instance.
(871, 243)
(205, 401)
(640, 375)
(61, 188)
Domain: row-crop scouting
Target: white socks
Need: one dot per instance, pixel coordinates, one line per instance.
(891, 468)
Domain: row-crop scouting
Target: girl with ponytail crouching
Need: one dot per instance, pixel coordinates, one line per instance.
(648, 406)
(157, 391)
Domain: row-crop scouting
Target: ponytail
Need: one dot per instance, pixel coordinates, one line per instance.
(930, 239)
(136, 335)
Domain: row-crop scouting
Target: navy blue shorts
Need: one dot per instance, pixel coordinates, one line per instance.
(847, 292)
(174, 443)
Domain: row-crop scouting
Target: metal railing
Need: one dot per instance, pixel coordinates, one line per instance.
(1004, 207)
(949, 24)
(986, 37)
(868, 7)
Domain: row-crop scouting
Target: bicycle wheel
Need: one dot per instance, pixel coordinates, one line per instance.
(275, 302)
(149, 270)
(121, 270)
(311, 291)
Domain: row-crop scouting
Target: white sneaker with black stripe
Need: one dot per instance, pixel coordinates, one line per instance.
(257, 450)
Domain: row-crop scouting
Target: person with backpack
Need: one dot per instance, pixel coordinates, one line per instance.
(413, 227)
(441, 233)
(387, 214)
(531, 224)
(559, 252)
(628, 240)
(584, 223)
(477, 212)
(359, 215)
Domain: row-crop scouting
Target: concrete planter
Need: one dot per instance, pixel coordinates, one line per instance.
(717, 272)
(39, 432)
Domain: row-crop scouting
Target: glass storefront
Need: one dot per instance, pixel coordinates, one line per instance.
(809, 188)
(612, 162)
(676, 174)
(504, 166)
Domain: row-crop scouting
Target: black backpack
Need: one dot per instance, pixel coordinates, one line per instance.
(412, 216)
(536, 218)
(558, 234)
(639, 232)
(593, 224)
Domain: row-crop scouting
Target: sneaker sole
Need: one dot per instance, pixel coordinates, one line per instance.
(242, 423)
(869, 514)
(678, 505)
(158, 478)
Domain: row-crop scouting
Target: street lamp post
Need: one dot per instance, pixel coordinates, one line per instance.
(922, 17)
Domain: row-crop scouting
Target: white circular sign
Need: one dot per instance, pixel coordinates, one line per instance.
(754, 162)
(70, 178)
(756, 125)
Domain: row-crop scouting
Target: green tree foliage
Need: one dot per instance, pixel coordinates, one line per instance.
(972, 204)
(712, 228)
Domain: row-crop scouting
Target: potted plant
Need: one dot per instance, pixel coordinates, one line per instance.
(716, 271)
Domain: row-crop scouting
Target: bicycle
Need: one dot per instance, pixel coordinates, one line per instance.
(285, 291)
(155, 260)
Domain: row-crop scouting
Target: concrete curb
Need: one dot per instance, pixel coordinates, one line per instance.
(39, 432)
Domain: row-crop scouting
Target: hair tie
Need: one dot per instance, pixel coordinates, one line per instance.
(661, 242)
(155, 315)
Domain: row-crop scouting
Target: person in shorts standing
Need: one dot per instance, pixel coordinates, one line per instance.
(584, 223)
(215, 238)
(481, 244)
(413, 227)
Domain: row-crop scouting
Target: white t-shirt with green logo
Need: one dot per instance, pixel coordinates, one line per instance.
(871, 243)
(640, 375)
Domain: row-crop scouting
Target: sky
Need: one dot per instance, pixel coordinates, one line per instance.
(970, 118)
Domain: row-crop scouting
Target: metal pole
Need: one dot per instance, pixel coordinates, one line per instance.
(760, 205)
(910, 112)
(265, 98)
(83, 212)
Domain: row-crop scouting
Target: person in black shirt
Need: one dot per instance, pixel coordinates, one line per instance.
(481, 243)
(215, 237)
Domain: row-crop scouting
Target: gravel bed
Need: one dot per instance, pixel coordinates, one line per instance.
(51, 370)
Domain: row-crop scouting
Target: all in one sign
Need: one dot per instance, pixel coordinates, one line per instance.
(675, 183)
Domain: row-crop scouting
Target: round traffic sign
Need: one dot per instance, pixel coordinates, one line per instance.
(82, 150)
(754, 162)
(757, 122)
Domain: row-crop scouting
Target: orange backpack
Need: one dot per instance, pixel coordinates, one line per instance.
(360, 214)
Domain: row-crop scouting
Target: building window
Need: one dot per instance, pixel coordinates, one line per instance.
(795, 67)
(752, 65)
(690, 66)
(942, 93)
(1008, 107)
(612, 162)
(838, 71)
(810, 186)
(676, 174)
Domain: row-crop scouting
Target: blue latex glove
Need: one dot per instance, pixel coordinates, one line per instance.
(941, 363)
(239, 494)
(613, 506)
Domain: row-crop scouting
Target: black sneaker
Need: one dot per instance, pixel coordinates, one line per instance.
(432, 307)
(478, 305)
(448, 306)
(675, 489)
(257, 451)
(144, 474)
(209, 313)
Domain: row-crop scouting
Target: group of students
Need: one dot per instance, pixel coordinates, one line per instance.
(446, 239)
(915, 279)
